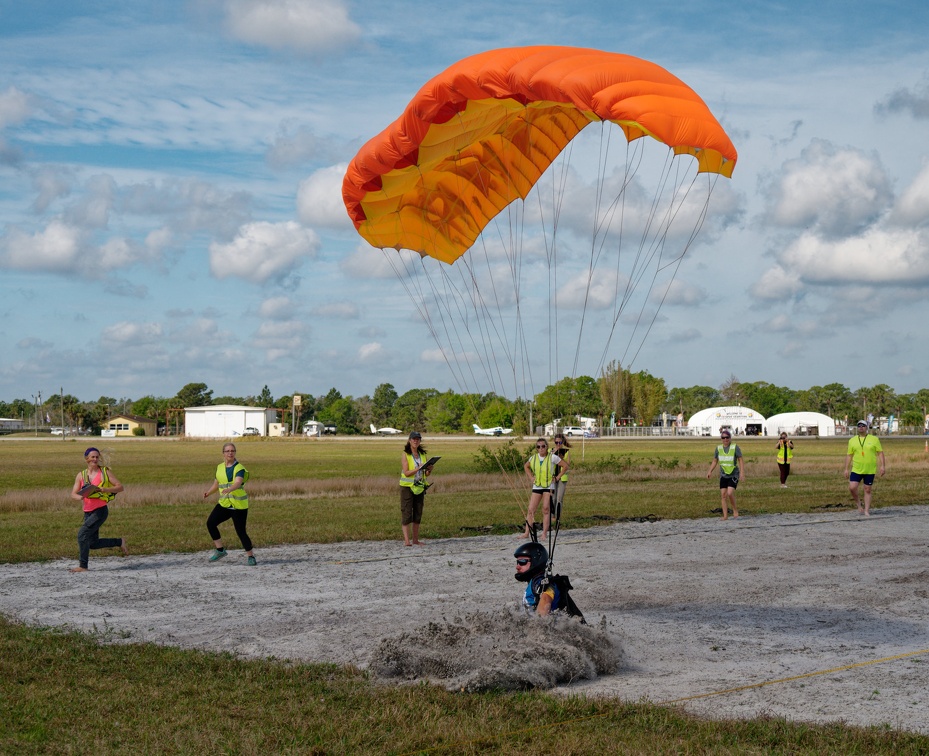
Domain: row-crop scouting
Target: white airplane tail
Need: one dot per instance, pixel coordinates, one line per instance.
(373, 430)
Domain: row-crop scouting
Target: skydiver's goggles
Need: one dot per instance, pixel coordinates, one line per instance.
(523, 562)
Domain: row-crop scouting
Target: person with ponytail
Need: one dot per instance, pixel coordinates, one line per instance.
(95, 488)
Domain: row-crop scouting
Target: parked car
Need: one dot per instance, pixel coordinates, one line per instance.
(590, 434)
(251, 432)
(573, 430)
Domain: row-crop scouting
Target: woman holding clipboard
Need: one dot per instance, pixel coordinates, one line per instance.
(415, 467)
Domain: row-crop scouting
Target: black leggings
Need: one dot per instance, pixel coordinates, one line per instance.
(238, 516)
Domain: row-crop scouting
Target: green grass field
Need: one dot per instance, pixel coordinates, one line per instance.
(67, 693)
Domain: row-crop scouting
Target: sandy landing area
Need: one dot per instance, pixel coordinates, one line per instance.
(718, 616)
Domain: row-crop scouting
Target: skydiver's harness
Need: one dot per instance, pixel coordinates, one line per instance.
(563, 587)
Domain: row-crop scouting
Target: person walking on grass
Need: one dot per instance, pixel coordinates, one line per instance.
(785, 453)
(95, 487)
(864, 451)
(731, 469)
(230, 481)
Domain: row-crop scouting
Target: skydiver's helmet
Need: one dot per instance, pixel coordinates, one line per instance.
(538, 556)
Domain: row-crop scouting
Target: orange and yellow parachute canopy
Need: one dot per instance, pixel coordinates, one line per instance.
(480, 134)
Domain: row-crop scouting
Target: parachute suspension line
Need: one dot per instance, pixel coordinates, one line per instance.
(640, 263)
(676, 262)
(408, 278)
(603, 222)
(560, 171)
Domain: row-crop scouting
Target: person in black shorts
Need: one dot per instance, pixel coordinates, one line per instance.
(731, 469)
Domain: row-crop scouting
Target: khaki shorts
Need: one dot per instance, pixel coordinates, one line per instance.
(411, 506)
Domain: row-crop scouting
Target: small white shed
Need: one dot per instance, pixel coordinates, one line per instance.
(227, 420)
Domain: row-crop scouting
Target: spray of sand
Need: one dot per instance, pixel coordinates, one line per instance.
(505, 650)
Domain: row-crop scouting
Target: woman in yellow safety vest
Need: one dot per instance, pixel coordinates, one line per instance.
(95, 487)
(230, 481)
(413, 487)
(543, 470)
(785, 453)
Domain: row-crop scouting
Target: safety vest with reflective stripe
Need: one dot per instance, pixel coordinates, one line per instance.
(417, 486)
(726, 459)
(237, 499)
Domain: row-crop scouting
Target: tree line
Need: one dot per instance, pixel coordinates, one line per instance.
(617, 394)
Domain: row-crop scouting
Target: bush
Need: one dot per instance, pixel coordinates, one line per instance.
(138, 431)
(504, 457)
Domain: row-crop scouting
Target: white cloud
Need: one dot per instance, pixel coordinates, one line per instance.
(370, 262)
(913, 206)
(125, 334)
(16, 106)
(309, 27)
(263, 251)
(340, 310)
(680, 293)
(56, 248)
(837, 191)
(594, 293)
(319, 199)
(454, 358)
(777, 284)
(877, 257)
(372, 352)
(280, 332)
(277, 308)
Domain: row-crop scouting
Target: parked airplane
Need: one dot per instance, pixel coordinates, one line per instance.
(385, 431)
(498, 431)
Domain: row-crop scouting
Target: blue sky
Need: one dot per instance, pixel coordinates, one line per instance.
(170, 192)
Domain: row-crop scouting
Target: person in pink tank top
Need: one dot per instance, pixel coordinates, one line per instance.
(95, 488)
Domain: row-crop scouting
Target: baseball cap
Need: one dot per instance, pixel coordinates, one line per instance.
(863, 422)
(416, 434)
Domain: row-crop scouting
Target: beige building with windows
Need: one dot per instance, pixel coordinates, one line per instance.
(125, 425)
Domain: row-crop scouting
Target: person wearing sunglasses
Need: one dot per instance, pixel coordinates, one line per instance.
(541, 596)
(543, 470)
(731, 469)
(785, 453)
(864, 454)
(562, 447)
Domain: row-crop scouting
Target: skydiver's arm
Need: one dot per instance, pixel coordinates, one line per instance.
(544, 607)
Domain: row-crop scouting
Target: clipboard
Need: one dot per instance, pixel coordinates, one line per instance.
(87, 488)
(430, 462)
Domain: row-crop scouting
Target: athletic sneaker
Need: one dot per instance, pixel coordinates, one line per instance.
(217, 555)
(252, 562)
